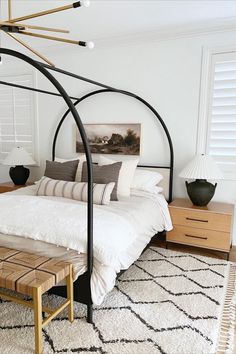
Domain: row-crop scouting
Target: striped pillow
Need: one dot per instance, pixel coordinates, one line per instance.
(75, 190)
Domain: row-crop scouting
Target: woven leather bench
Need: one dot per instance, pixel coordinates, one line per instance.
(33, 275)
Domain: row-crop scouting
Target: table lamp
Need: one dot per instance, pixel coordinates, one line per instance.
(201, 168)
(19, 157)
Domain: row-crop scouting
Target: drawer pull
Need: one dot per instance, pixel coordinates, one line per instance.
(201, 237)
(192, 219)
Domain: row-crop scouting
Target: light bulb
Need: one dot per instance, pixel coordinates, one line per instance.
(90, 45)
(85, 3)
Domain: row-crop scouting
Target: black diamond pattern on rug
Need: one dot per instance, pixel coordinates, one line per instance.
(167, 302)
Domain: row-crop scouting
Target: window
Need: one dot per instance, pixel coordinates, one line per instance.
(18, 123)
(217, 123)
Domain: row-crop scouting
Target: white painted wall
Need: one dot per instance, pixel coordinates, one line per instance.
(166, 73)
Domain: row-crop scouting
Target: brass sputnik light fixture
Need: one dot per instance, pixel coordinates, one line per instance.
(14, 26)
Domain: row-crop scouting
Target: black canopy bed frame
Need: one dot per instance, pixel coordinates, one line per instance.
(82, 288)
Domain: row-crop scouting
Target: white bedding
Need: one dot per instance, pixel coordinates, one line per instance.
(121, 231)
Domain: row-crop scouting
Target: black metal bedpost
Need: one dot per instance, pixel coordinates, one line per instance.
(79, 124)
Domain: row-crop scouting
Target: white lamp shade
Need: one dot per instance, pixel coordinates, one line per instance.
(201, 167)
(17, 157)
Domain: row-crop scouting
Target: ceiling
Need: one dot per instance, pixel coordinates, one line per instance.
(112, 18)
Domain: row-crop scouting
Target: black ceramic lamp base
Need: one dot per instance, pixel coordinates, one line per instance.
(200, 191)
(19, 175)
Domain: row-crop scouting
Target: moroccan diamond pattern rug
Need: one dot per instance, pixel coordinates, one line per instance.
(167, 302)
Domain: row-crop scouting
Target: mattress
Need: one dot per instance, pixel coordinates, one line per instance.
(145, 214)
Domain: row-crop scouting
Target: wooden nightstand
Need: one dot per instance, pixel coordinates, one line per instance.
(207, 227)
(10, 186)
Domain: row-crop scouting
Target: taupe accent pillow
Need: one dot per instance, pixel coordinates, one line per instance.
(64, 171)
(75, 190)
(104, 174)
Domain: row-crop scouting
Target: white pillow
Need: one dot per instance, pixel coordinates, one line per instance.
(145, 180)
(75, 190)
(154, 190)
(82, 159)
(126, 174)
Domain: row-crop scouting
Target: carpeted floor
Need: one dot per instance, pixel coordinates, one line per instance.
(167, 302)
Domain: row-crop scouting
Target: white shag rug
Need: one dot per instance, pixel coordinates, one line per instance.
(167, 302)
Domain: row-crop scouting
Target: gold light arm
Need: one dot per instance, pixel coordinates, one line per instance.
(9, 10)
(31, 49)
(58, 39)
(47, 12)
(6, 23)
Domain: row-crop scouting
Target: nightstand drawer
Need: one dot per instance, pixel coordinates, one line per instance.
(200, 237)
(201, 219)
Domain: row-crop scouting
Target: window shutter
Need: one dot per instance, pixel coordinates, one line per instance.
(17, 116)
(221, 137)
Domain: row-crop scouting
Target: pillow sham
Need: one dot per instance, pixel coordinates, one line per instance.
(126, 174)
(152, 190)
(81, 159)
(104, 174)
(75, 190)
(145, 179)
(64, 171)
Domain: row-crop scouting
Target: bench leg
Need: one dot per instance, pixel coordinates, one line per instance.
(70, 294)
(37, 299)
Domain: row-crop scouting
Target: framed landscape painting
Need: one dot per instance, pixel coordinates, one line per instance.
(120, 139)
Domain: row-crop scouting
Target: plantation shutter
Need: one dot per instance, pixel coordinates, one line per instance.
(17, 116)
(221, 137)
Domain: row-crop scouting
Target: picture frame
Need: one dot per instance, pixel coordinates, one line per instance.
(116, 139)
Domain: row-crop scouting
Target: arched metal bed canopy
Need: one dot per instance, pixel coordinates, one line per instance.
(140, 99)
(44, 70)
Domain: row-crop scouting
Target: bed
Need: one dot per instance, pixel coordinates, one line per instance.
(122, 230)
(96, 265)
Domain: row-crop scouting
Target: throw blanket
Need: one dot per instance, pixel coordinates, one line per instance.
(65, 224)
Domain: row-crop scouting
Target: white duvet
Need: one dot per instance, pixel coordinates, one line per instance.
(121, 229)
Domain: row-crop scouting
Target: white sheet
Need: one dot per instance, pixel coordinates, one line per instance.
(121, 231)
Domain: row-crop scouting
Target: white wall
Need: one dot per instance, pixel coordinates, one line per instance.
(167, 74)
